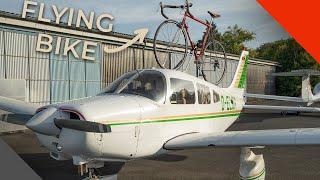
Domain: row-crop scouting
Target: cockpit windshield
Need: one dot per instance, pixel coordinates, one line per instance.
(146, 83)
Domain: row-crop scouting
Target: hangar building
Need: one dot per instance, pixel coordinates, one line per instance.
(48, 78)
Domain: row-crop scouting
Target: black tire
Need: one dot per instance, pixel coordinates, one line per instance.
(284, 113)
(216, 59)
(178, 58)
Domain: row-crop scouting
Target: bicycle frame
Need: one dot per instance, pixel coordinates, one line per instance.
(208, 26)
(198, 49)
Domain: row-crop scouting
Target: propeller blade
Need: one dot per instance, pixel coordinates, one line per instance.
(81, 125)
(20, 119)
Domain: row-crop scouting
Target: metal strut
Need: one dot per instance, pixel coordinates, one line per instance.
(251, 166)
(93, 174)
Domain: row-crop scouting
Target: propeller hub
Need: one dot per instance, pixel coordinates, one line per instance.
(43, 122)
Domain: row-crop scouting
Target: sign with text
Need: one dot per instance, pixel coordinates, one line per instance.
(64, 46)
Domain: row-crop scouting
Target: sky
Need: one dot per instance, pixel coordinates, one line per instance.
(130, 15)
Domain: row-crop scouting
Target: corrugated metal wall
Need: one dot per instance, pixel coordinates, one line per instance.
(50, 78)
(116, 64)
(2, 65)
(54, 78)
(260, 80)
(38, 79)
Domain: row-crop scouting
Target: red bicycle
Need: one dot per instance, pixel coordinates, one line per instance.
(171, 45)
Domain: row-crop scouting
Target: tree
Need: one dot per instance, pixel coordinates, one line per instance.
(215, 34)
(291, 56)
(234, 38)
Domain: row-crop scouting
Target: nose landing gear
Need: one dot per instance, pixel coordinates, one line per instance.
(90, 171)
(93, 174)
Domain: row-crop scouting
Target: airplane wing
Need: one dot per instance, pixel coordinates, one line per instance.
(284, 108)
(301, 72)
(274, 137)
(273, 97)
(16, 106)
(20, 119)
(22, 111)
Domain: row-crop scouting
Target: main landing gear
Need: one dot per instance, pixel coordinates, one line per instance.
(251, 166)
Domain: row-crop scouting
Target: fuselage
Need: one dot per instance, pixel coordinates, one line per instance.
(141, 125)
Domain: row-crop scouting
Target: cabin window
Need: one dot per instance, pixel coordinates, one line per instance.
(204, 96)
(147, 83)
(182, 91)
(216, 96)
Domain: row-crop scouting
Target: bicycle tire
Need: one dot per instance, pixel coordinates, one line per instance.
(158, 51)
(217, 54)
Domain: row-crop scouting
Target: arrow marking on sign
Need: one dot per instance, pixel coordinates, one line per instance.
(140, 35)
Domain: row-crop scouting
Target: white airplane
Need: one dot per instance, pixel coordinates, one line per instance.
(150, 112)
(306, 94)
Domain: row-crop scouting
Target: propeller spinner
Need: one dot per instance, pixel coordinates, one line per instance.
(43, 122)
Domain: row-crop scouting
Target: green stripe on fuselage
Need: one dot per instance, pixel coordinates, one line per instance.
(178, 119)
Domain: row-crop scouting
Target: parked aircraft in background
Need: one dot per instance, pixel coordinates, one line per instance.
(147, 113)
(306, 94)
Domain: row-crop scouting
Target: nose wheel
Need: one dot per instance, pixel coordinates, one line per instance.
(93, 171)
(94, 174)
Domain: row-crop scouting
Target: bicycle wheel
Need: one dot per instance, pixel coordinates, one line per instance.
(214, 62)
(170, 45)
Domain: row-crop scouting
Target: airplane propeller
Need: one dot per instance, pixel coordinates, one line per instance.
(49, 122)
(81, 125)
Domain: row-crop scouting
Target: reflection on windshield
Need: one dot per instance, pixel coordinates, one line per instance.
(147, 83)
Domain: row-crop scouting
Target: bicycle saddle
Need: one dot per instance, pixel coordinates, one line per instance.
(213, 15)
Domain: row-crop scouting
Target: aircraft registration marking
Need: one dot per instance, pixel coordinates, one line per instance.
(228, 103)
